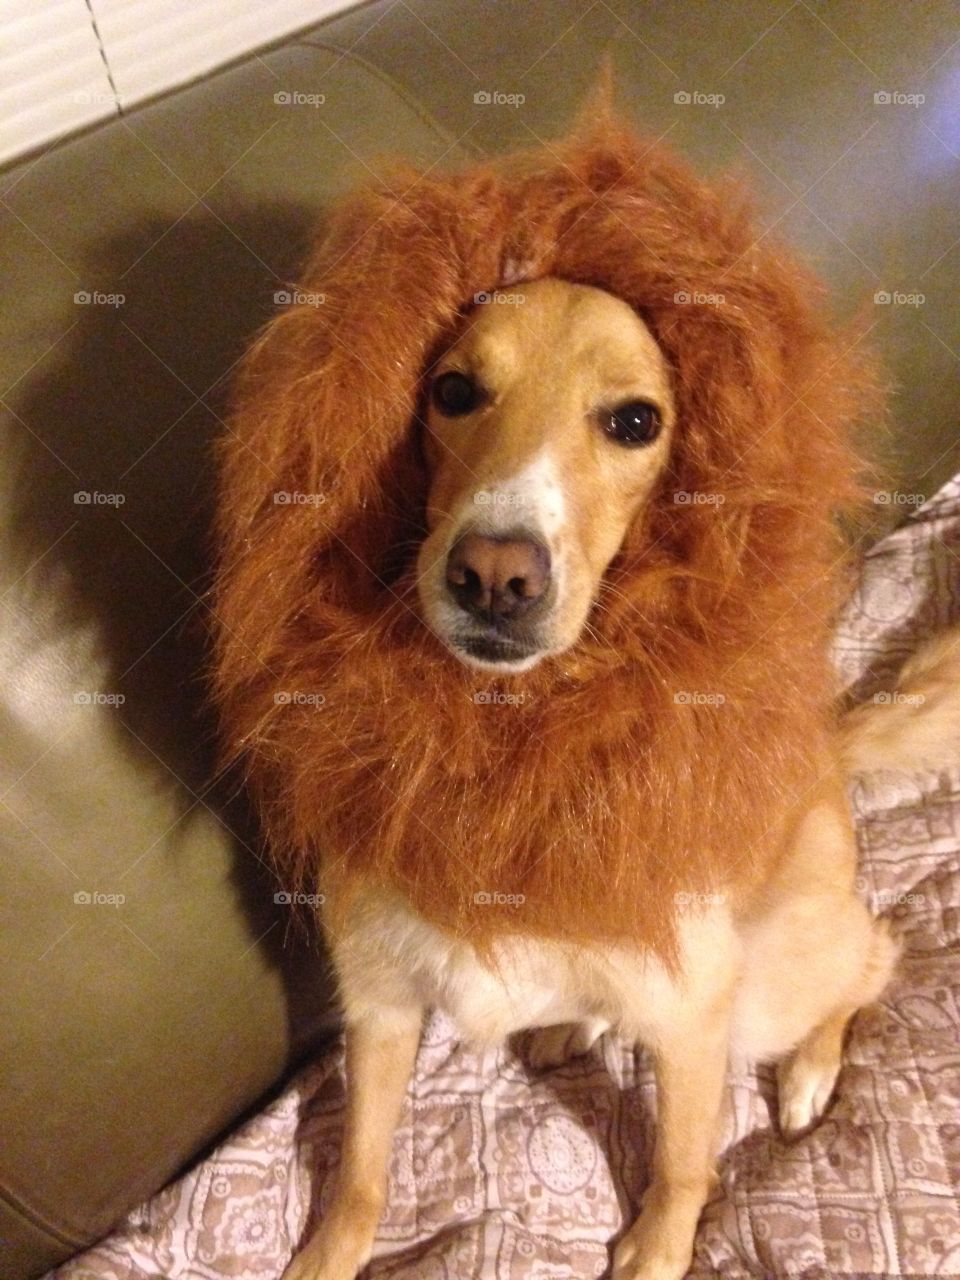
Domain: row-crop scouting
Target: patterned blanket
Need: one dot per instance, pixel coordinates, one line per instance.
(500, 1172)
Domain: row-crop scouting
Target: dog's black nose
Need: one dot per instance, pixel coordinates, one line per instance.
(498, 578)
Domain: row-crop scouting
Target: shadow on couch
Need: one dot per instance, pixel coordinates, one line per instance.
(112, 741)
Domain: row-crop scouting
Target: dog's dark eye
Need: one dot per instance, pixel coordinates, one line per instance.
(636, 423)
(455, 394)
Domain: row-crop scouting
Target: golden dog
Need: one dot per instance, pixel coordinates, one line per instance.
(560, 558)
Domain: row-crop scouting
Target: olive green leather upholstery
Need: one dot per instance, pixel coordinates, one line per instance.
(151, 989)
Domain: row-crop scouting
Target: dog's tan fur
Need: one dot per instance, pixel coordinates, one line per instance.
(775, 974)
(551, 358)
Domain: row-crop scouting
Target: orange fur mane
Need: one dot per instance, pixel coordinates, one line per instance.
(598, 792)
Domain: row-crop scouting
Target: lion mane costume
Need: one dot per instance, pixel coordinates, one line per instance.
(659, 759)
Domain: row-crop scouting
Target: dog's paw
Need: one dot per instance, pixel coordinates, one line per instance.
(303, 1267)
(340, 1246)
(805, 1085)
(552, 1046)
(641, 1256)
(311, 1265)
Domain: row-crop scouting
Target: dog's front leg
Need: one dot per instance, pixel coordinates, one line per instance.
(381, 1049)
(690, 1064)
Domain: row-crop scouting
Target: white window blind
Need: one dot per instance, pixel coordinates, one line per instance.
(52, 75)
(154, 44)
(65, 64)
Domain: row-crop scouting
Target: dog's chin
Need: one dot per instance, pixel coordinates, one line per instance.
(494, 654)
(491, 648)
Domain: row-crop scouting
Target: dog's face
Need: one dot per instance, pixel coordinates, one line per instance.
(548, 426)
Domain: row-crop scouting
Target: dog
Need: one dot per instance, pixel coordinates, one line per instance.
(528, 561)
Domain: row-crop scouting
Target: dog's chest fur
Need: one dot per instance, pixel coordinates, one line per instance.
(391, 957)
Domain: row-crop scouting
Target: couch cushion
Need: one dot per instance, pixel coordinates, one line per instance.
(152, 987)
